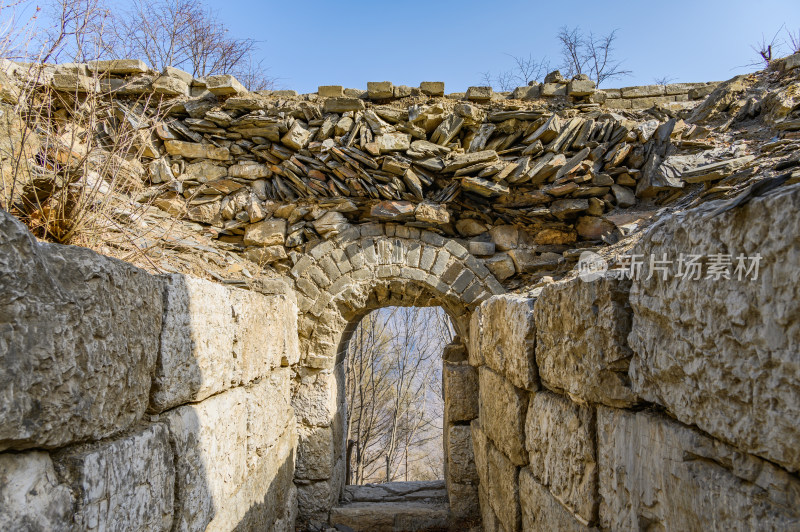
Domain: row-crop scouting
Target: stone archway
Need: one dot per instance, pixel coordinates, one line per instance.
(338, 282)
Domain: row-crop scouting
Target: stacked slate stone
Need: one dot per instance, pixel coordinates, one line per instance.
(527, 178)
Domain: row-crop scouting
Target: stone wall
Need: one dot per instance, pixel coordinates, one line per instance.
(139, 402)
(671, 95)
(658, 402)
(355, 271)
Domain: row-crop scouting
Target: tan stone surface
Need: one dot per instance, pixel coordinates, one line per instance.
(581, 340)
(502, 414)
(541, 512)
(122, 484)
(722, 354)
(31, 495)
(460, 383)
(78, 341)
(655, 472)
(504, 490)
(196, 358)
(559, 436)
(507, 338)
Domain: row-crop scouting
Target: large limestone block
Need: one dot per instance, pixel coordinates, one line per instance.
(460, 458)
(507, 336)
(480, 451)
(723, 354)
(122, 484)
(658, 474)
(464, 503)
(269, 413)
(315, 458)
(31, 496)
(265, 332)
(316, 498)
(541, 512)
(210, 444)
(267, 498)
(581, 340)
(78, 341)
(460, 384)
(502, 414)
(315, 399)
(559, 436)
(196, 357)
(504, 490)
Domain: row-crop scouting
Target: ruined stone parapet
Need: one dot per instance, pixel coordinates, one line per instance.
(650, 404)
(90, 345)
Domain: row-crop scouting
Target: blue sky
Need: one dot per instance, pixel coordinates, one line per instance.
(310, 43)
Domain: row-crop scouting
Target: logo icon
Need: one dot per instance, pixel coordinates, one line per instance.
(591, 266)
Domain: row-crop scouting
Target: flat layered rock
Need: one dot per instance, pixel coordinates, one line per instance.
(392, 516)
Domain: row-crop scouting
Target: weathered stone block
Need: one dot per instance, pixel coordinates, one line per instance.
(31, 495)
(460, 391)
(315, 457)
(507, 336)
(267, 498)
(122, 484)
(528, 92)
(432, 88)
(580, 87)
(196, 357)
(464, 503)
(550, 90)
(79, 336)
(314, 402)
(210, 444)
(504, 490)
(379, 90)
(502, 414)
(480, 451)
(657, 473)
(642, 91)
(479, 94)
(265, 333)
(460, 458)
(541, 512)
(270, 232)
(722, 354)
(559, 436)
(330, 91)
(269, 413)
(342, 105)
(224, 85)
(195, 150)
(581, 340)
(118, 66)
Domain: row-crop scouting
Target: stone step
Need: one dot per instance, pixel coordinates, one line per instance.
(409, 516)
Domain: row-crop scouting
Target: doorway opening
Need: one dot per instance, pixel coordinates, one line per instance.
(394, 396)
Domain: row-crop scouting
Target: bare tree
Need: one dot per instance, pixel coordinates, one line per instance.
(394, 395)
(79, 33)
(573, 56)
(663, 80)
(589, 54)
(525, 70)
(767, 49)
(188, 35)
(794, 40)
